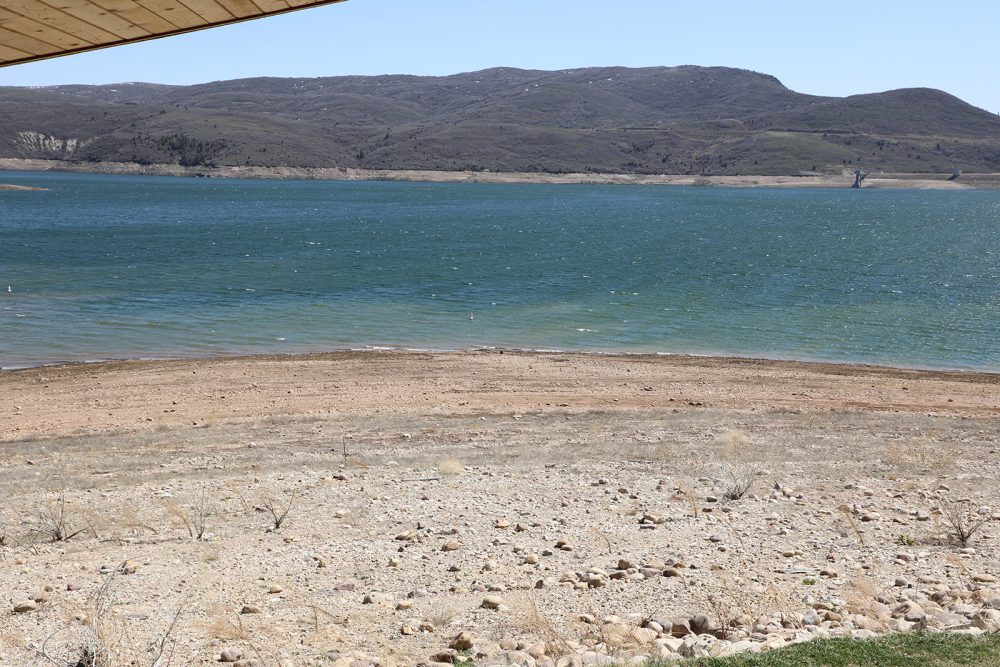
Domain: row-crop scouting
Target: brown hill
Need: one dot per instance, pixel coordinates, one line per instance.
(677, 120)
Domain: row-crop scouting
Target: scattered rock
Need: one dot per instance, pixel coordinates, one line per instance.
(231, 654)
(700, 624)
(492, 602)
(447, 656)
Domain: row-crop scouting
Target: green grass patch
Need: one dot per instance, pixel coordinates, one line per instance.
(899, 650)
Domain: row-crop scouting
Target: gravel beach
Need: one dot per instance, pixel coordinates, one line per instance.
(404, 508)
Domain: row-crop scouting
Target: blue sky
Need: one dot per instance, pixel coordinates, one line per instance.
(819, 47)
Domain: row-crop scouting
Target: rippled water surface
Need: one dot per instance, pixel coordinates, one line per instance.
(112, 267)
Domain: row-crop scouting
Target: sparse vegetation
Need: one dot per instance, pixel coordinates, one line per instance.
(102, 638)
(740, 470)
(56, 521)
(277, 509)
(451, 467)
(196, 517)
(594, 533)
(4, 530)
(963, 520)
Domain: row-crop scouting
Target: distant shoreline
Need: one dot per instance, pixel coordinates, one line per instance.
(887, 180)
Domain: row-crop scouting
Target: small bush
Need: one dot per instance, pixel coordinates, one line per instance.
(277, 510)
(741, 473)
(55, 521)
(962, 521)
(102, 640)
(196, 518)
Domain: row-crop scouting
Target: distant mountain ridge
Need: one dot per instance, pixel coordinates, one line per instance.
(657, 120)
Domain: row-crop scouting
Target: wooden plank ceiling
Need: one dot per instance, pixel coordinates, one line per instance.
(37, 29)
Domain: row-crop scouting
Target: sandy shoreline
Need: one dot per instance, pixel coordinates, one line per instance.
(846, 366)
(845, 385)
(844, 180)
(546, 504)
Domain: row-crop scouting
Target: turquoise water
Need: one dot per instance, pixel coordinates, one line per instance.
(134, 267)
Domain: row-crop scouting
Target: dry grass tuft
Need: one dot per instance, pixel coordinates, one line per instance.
(848, 513)
(227, 629)
(228, 626)
(737, 600)
(539, 625)
(685, 493)
(196, 517)
(5, 539)
(451, 467)
(601, 536)
(442, 617)
(740, 471)
(862, 596)
(102, 640)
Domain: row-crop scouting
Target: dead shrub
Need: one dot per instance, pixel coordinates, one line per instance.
(56, 521)
(102, 640)
(196, 517)
(962, 520)
(739, 470)
(277, 509)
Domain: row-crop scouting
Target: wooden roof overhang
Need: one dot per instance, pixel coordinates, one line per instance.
(37, 29)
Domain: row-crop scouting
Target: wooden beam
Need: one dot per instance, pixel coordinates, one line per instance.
(12, 54)
(48, 34)
(59, 20)
(173, 11)
(271, 5)
(102, 13)
(37, 29)
(240, 8)
(210, 11)
(22, 42)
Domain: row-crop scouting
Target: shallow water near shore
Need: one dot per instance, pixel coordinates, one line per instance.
(132, 267)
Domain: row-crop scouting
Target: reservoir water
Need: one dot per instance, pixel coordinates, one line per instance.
(106, 267)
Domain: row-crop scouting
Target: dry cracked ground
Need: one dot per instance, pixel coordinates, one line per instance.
(487, 508)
